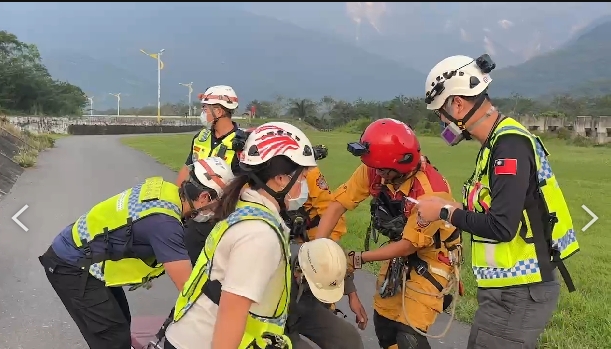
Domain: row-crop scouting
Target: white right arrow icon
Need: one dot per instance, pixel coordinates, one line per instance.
(594, 218)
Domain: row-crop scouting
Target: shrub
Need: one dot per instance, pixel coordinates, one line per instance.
(355, 126)
(564, 133)
(26, 157)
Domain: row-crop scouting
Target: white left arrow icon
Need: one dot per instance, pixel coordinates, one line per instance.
(592, 221)
(16, 216)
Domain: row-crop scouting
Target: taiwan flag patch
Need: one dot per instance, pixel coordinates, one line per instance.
(506, 167)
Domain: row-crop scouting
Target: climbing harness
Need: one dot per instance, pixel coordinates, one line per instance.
(453, 288)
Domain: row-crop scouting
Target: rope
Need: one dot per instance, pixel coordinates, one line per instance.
(453, 282)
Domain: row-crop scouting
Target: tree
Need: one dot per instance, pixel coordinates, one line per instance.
(263, 109)
(329, 113)
(302, 109)
(26, 87)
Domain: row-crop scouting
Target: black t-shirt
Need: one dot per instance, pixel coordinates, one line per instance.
(195, 237)
(510, 193)
(215, 141)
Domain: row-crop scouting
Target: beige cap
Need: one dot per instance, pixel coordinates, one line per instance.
(323, 263)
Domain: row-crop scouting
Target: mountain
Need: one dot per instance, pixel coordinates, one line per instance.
(96, 46)
(419, 33)
(580, 67)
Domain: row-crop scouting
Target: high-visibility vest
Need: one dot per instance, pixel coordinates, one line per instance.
(153, 196)
(199, 283)
(502, 264)
(202, 147)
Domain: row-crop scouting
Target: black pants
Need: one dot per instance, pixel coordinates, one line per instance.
(195, 238)
(314, 320)
(391, 332)
(101, 313)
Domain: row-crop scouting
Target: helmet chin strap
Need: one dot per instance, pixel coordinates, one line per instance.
(461, 123)
(277, 195)
(182, 192)
(486, 116)
(402, 178)
(215, 118)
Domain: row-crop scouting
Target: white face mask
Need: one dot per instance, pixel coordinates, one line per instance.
(295, 204)
(204, 118)
(203, 217)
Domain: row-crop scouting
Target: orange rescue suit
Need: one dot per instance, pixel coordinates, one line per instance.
(319, 199)
(421, 309)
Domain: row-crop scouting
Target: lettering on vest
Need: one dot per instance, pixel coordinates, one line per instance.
(204, 135)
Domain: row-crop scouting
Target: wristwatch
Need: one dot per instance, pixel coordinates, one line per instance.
(444, 214)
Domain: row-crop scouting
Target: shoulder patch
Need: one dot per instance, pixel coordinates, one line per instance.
(321, 182)
(506, 167)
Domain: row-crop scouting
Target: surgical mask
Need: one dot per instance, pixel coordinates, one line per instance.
(295, 204)
(204, 118)
(203, 217)
(452, 134)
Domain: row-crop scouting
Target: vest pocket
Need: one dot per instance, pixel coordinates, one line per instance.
(493, 254)
(485, 340)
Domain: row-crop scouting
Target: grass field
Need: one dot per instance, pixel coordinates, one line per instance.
(583, 319)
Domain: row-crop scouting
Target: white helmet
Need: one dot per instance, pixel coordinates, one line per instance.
(213, 173)
(221, 95)
(454, 76)
(274, 139)
(323, 263)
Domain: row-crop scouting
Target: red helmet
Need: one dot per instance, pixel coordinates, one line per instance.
(390, 144)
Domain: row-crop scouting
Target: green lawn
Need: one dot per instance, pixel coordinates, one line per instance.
(583, 319)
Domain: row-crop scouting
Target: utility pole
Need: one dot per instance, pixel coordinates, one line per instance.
(118, 95)
(190, 86)
(157, 56)
(90, 105)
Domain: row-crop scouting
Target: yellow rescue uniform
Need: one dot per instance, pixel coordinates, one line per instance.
(319, 199)
(421, 309)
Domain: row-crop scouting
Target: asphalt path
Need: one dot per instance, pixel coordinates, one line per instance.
(80, 172)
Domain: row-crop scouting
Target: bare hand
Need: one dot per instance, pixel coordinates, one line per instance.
(357, 308)
(429, 208)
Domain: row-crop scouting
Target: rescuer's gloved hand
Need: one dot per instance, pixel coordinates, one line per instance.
(354, 261)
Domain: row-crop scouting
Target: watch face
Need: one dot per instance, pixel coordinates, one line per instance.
(443, 214)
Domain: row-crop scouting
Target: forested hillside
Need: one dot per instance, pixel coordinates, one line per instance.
(582, 67)
(26, 87)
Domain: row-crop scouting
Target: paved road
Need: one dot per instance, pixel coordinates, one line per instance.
(79, 172)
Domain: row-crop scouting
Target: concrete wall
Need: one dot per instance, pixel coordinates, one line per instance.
(598, 128)
(105, 124)
(9, 169)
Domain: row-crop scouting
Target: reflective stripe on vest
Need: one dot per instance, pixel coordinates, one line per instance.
(202, 147)
(256, 325)
(153, 196)
(500, 264)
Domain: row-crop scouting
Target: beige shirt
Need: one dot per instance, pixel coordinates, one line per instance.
(248, 262)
